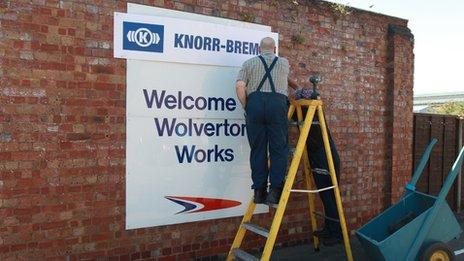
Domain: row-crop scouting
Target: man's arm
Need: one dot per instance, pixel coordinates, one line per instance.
(240, 89)
(292, 83)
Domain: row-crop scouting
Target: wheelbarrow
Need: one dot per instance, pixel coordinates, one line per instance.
(419, 226)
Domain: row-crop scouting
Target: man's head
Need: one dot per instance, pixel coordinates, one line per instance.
(267, 45)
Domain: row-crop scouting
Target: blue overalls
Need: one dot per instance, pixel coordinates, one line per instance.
(267, 128)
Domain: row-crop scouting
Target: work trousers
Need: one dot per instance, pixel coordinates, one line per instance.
(318, 160)
(267, 130)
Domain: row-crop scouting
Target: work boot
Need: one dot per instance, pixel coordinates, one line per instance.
(323, 233)
(333, 239)
(274, 196)
(260, 196)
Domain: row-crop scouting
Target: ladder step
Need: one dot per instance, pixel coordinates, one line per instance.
(319, 214)
(312, 191)
(300, 123)
(257, 229)
(295, 123)
(242, 255)
(273, 205)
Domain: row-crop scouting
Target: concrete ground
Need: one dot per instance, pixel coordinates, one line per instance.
(306, 252)
(337, 252)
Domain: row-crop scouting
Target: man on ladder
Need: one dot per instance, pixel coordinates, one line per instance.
(262, 88)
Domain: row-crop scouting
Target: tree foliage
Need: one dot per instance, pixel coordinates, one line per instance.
(452, 108)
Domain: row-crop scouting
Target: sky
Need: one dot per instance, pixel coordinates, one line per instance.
(438, 28)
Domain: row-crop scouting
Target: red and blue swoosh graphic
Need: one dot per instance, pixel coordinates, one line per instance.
(196, 204)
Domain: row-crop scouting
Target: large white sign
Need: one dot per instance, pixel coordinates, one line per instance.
(187, 156)
(157, 38)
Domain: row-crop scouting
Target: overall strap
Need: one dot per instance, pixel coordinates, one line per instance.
(267, 75)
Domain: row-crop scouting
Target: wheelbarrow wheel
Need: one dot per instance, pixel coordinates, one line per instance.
(438, 251)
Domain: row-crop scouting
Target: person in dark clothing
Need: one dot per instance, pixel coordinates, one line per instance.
(320, 170)
(331, 233)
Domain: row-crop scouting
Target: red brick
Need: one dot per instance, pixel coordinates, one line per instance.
(44, 29)
(18, 247)
(52, 225)
(97, 69)
(60, 13)
(49, 47)
(4, 249)
(78, 136)
(45, 11)
(101, 237)
(5, 155)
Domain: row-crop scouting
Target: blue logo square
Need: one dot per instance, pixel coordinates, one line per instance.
(143, 37)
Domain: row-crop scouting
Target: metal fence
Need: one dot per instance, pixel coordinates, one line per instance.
(449, 132)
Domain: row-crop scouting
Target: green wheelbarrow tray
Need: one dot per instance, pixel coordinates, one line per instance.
(418, 220)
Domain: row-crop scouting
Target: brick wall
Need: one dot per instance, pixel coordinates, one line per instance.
(62, 124)
(400, 79)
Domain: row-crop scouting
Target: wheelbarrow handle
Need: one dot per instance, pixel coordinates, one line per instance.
(451, 176)
(425, 228)
(420, 168)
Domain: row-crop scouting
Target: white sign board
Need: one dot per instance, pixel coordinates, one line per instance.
(187, 156)
(155, 38)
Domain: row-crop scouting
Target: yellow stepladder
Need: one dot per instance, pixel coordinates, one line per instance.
(314, 108)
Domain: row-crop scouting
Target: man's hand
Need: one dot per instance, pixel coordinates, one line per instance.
(240, 89)
(292, 83)
(303, 93)
(300, 92)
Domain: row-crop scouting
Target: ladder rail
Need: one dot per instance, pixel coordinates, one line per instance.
(328, 153)
(291, 110)
(241, 230)
(309, 183)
